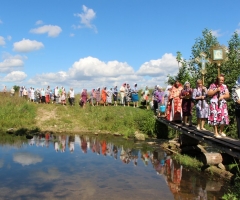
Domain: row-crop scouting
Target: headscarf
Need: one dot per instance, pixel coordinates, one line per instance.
(168, 87)
(186, 84)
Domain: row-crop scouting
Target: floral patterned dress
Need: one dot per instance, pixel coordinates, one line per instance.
(201, 104)
(218, 113)
(174, 110)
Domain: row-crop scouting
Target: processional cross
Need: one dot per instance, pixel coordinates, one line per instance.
(203, 62)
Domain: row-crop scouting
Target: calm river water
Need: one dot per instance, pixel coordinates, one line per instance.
(96, 167)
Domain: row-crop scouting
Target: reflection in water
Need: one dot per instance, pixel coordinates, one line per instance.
(26, 158)
(84, 170)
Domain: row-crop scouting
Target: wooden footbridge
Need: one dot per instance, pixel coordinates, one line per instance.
(226, 145)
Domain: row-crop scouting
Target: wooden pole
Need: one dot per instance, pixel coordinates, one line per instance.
(218, 65)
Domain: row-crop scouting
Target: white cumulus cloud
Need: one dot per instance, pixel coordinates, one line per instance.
(86, 17)
(47, 78)
(26, 45)
(11, 63)
(15, 76)
(160, 67)
(25, 158)
(93, 67)
(2, 41)
(216, 33)
(51, 30)
(90, 72)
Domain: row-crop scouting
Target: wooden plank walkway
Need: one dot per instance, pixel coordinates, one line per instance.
(225, 144)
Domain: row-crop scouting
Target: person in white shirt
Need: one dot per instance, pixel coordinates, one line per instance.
(123, 94)
(12, 92)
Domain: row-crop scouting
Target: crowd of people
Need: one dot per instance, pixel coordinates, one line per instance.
(105, 96)
(175, 103)
(210, 104)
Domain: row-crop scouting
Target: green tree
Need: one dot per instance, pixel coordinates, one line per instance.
(179, 57)
(204, 44)
(16, 88)
(231, 71)
(184, 72)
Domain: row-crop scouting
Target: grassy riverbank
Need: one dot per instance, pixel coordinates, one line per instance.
(18, 113)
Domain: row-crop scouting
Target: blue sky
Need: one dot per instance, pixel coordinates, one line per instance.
(96, 43)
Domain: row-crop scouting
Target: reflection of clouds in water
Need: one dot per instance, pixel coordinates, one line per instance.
(51, 174)
(26, 158)
(1, 163)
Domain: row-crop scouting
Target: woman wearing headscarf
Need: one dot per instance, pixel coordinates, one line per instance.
(187, 103)
(218, 112)
(93, 97)
(128, 94)
(166, 96)
(199, 95)
(43, 96)
(109, 96)
(154, 99)
(236, 99)
(63, 97)
(104, 95)
(174, 110)
(115, 95)
(123, 94)
(47, 95)
(135, 95)
(159, 95)
(145, 93)
(84, 97)
(98, 96)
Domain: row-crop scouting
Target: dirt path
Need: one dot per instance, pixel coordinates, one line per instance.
(43, 115)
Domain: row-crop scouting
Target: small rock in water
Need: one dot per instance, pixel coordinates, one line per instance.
(117, 134)
(10, 130)
(139, 136)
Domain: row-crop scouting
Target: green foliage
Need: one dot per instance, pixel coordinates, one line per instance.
(16, 88)
(16, 113)
(179, 57)
(234, 192)
(188, 161)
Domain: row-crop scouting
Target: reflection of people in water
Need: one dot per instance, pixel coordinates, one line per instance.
(124, 156)
(159, 162)
(47, 138)
(134, 156)
(56, 146)
(104, 147)
(174, 175)
(115, 152)
(62, 140)
(83, 144)
(71, 141)
(31, 142)
(145, 158)
(109, 149)
(93, 145)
